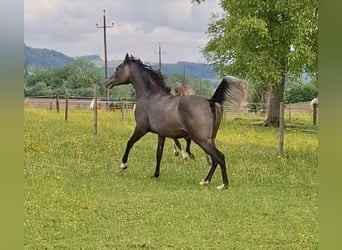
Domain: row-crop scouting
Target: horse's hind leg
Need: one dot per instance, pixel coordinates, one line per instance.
(159, 154)
(211, 170)
(217, 157)
(178, 148)
(137, 134)
(209, 161)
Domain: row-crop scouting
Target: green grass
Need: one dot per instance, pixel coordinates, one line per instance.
(75, 197)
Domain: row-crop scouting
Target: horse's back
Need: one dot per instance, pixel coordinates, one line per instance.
(177, 116)
(194, 105)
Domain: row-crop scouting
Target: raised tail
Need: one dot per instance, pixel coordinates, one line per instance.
(231, 89)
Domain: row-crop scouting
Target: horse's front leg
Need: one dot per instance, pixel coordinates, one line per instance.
(137, 134)
(187, 149)
(159, 154)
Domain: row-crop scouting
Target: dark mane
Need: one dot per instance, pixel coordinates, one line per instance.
(157, 77)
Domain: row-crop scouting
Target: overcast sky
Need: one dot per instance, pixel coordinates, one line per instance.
(69, 26)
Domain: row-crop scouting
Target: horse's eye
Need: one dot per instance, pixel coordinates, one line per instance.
(118, 67)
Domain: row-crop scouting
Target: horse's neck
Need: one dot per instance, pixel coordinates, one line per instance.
(140, 81)
(139, 85)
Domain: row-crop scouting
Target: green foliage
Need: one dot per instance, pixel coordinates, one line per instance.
(122, 92)
(75, 197)
(301, 93)
(255, 97)
(39, 89)
(76, 79)
(263, 40)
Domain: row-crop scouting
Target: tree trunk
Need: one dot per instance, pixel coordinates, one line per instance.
(276, 95)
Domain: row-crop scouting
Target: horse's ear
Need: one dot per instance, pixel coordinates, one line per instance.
(126, 58)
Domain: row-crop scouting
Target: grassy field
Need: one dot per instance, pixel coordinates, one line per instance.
(75, 197)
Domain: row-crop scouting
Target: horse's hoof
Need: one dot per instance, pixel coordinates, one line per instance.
(222, 187)
(204, 183)
(192, 156)
(176, 153)
(186, 158)
(185, 155)
(123, 166)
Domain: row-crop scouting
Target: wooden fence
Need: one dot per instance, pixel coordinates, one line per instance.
(59, 102)
(64, 103)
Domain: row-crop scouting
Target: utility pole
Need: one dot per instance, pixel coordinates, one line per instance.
(104, 27)
(200, 83)
(159, 55)
(184, 74)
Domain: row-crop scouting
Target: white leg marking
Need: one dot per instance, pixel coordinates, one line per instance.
(185, 155)
(123, 166)
(222, 187)
(204, 183)
(175, 150)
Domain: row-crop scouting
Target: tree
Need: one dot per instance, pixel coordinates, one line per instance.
(83, 74)
(264, 42)
(75, 79)
(39, 89)
(301, 93)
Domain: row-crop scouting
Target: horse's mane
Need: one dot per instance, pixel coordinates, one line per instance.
(156, 76)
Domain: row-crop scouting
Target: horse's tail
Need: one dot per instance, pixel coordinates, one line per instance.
(231, 89)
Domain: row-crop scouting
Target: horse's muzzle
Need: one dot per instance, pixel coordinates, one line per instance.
(109, 84)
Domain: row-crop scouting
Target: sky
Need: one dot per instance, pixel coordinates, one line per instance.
(69, 26)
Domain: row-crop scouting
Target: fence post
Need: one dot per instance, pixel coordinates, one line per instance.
(50, 106)
(122, 111)
(289, 113)
(95, 109)
(57, 103)
(314, 113)
(66, 107)
(281, 129)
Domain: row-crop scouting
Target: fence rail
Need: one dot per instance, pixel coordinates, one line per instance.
(60, 102)
(83, 103)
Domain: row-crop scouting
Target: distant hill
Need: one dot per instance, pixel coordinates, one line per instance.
(200, 70)
(36, 59)
(39, 59)
(203, 70)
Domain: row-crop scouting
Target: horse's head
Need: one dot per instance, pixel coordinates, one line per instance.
(121, 74)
